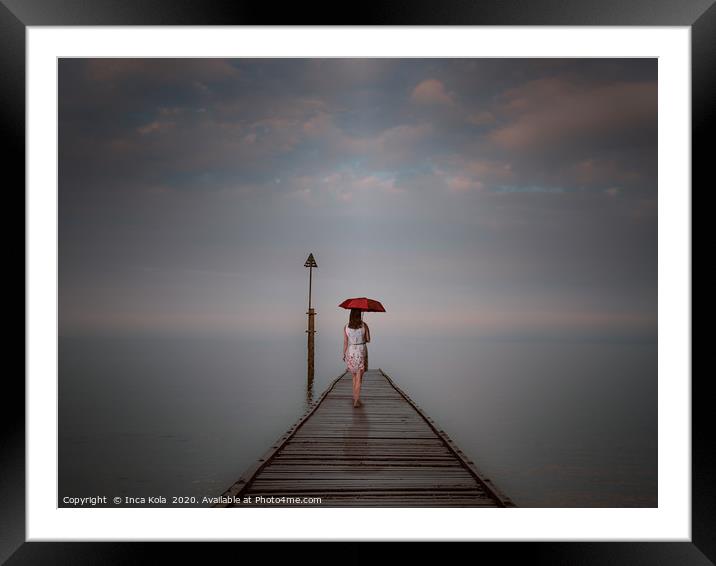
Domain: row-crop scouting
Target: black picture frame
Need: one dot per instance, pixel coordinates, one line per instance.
(16, 15)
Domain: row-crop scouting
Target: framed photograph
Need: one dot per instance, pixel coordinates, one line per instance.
(225, 215)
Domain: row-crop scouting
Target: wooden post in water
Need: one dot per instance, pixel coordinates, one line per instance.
(310, 263)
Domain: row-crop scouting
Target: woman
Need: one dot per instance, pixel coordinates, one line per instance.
(355, 352)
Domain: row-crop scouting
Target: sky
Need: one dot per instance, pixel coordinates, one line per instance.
(495, 198)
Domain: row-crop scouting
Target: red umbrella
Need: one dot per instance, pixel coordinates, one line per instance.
(362, 304)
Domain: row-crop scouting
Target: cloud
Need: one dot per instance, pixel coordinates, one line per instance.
(600, 171)
(431, 91)
(554, 113)
(146, 123)
(197, 73)
(463, 173)
(481, 118)
(154, 127)
(462, 184)
(342, 186)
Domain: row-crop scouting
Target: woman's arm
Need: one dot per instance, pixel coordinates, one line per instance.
(367, 332)
(345, 342)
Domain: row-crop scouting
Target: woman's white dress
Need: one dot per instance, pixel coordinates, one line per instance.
(357, 351)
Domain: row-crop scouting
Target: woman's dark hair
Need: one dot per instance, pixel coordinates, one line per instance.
(355, 320)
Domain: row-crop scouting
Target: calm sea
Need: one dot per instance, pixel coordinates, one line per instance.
(553, 424)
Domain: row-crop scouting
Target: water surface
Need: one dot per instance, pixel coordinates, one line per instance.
(552, 423)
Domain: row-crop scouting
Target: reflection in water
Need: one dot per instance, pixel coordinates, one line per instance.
(309, 392)
(354, 445)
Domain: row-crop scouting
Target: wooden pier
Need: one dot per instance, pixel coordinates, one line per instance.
(386, 453)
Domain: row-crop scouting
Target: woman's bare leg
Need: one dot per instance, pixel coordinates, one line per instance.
(357, 383)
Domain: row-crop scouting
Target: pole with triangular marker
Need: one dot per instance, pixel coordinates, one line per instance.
(310, 263)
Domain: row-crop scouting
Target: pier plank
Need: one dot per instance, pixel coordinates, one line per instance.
(386, 453)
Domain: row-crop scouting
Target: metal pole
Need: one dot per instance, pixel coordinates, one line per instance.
(310, 263)
(311, 313)
(310, 274)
